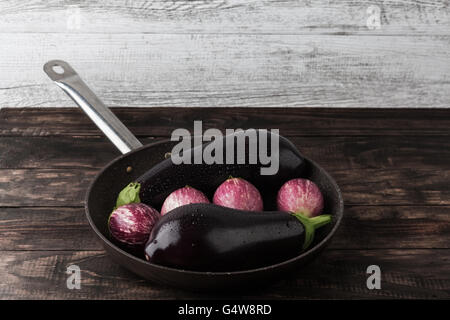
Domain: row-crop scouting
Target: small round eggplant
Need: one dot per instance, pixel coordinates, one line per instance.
(207, 237)
(300, 196)
(132, 223)
(238, 194)
(182, 197)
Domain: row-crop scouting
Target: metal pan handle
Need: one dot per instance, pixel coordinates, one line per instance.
(68, 80)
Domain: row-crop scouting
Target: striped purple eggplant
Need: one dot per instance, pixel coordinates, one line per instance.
(131, 224)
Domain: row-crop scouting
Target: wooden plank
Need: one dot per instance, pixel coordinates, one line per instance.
(58, 152)
(50, 229)
(394, 186)
(52, 187)
(340, 274)
(290, 121)
(67, 187)
(375, 227)
(233, 70)
(230, 16)
(336, 273)
(351, 153)
(363, 227)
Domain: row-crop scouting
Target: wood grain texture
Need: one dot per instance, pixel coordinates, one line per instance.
(335, 274)
(231, 70)
(225, 16)
(49, 229)
(160, 122)
(333, 153)
(378, 227)
(67, 187)
(394, 173)
(363, 227)
(52, 187)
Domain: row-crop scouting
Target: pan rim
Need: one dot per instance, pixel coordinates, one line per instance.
(310, 251)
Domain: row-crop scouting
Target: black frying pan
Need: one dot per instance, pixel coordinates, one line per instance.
(102, 193)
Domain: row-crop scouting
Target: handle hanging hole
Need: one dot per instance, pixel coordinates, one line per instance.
(58, 69)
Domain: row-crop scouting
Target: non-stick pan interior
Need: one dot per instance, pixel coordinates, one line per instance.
(114, 177)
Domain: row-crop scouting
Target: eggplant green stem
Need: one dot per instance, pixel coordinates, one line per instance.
(129, 194)
(311, 224)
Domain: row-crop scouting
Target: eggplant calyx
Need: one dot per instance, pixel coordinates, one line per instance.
(311, 224)
(129, 194)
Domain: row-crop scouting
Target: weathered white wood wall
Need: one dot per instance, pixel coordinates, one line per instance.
(230, 53)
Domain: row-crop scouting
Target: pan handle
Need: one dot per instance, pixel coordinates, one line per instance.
(68, 80)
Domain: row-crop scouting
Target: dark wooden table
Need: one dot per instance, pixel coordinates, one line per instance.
(393, 167)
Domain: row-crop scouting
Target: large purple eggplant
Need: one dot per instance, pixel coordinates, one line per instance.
(207, 237)
(158, 182)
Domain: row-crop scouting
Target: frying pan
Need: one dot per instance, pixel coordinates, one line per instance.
(135, 160)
